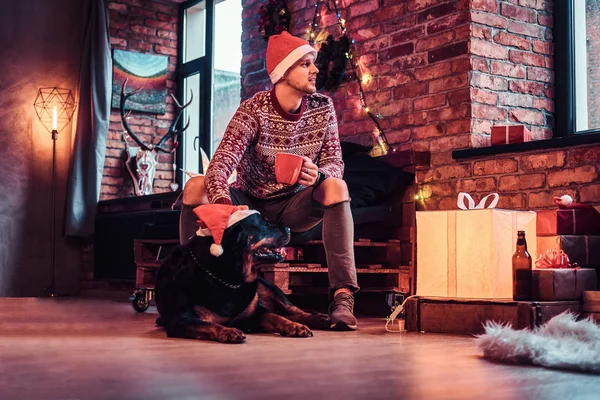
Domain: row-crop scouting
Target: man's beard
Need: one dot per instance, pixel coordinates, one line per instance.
(308, 87)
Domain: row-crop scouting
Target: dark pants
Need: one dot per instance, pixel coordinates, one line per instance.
(300, 213)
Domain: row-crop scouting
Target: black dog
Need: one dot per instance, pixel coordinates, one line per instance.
(200, 296)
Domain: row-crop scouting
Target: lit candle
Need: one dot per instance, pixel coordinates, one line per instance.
(54, 119)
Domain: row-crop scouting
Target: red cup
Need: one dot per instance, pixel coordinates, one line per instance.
(287, 167)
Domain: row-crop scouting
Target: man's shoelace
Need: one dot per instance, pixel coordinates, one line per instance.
(346, 301)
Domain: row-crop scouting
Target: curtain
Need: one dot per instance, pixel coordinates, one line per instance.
(93, 118)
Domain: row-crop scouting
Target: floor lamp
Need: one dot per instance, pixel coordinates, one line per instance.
(55, 108)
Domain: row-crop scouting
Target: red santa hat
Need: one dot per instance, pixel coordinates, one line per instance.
(566, 201)
(215, 218)
(283, 51)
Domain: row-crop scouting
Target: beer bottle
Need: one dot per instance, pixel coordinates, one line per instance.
(521, 267)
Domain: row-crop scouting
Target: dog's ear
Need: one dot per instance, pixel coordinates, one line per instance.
(240, 234)
(199, 246)
(235, 238)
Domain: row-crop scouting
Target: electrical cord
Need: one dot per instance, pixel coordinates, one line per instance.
(395, 314)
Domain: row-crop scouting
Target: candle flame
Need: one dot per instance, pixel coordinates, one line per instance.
(54, 119)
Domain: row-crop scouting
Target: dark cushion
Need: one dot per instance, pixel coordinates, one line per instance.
(349, 148)
(370, 181)
(375, 223)
(165, 225)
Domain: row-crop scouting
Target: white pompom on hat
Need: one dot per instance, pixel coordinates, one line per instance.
(283, 51)
(566, 200)
(215, 218)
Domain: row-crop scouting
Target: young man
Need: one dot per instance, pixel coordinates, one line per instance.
(291, 118)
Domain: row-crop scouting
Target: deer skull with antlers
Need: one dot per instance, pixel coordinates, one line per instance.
(146, 155)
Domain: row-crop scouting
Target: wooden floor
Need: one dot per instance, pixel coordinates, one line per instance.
(100, 349)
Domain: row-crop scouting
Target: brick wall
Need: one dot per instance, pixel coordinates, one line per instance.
(524, 180)
(146, 26)
(444, 72)
(512, 82)
(512, 77)
(417, 55)
(254, 75)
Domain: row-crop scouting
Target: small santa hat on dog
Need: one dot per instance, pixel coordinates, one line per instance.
(215, 218)
(283, 51)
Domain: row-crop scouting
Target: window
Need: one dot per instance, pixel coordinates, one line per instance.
(227, 67)
(577, 64)
(576, 36)
(210, 52)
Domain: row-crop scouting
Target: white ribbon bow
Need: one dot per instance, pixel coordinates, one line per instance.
(471, 203)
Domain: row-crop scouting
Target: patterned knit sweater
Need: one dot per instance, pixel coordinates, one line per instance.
(259, 129)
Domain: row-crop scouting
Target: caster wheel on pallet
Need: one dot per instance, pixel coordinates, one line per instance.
(139, 302)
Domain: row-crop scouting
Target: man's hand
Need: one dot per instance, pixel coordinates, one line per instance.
(309, 172)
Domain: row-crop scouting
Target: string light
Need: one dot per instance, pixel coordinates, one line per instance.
(422, 194)
(350, 56)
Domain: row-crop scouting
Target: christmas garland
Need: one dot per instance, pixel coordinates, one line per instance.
(335, 53)
(274, 18)
(339, 53)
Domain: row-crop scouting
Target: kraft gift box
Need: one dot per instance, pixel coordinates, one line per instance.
(468, 253)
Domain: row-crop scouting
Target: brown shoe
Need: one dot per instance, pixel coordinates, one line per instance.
(341, 312)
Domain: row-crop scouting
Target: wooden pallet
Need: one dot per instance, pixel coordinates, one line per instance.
(366, 252)
(307, 279)
(379, 266)
(148, 255)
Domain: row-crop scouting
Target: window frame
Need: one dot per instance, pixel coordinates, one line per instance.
(565, 68)
(203, 66)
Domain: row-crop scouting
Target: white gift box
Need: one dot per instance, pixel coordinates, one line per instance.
(468, 253)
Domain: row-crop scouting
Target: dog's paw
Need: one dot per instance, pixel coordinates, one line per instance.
(231, 335)
(294, 329)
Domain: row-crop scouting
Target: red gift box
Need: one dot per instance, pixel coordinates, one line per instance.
(568, 221)
(508, 134)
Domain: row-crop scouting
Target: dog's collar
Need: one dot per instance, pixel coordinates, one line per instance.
(213, 276)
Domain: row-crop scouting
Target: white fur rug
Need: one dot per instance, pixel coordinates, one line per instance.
(563, 342)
